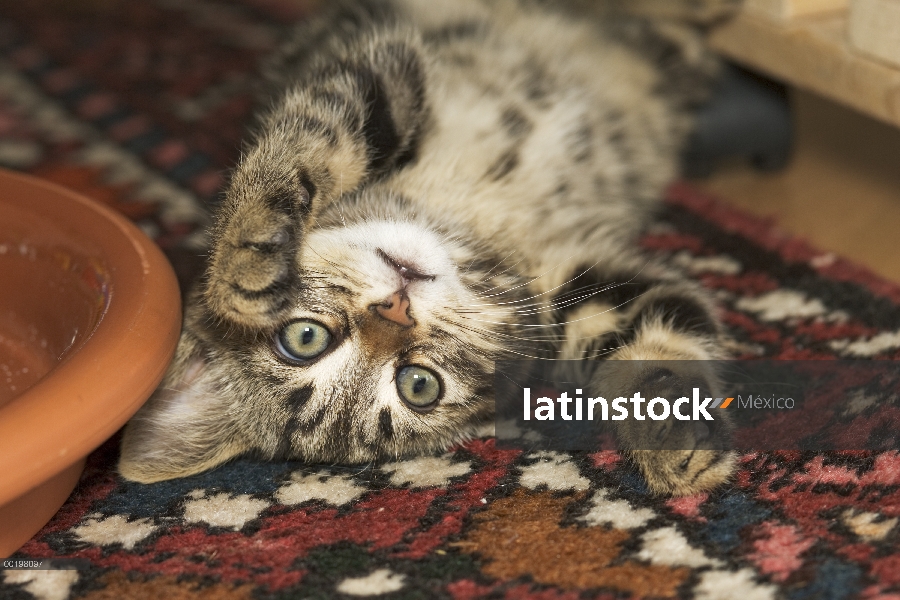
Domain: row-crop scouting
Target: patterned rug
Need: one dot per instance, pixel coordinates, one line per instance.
(142, 105)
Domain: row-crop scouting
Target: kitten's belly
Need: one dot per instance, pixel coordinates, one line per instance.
(547, 209)
(567, 177)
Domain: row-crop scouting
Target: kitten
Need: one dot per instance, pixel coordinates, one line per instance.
(434, 187)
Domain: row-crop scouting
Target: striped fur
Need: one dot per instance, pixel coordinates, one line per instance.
(439, 185)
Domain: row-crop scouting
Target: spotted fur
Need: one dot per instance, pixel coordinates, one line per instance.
(441, 185)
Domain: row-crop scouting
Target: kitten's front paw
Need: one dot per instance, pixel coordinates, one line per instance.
(252, 270)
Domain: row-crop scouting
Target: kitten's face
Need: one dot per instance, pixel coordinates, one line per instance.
(379, 353)
(386, 349)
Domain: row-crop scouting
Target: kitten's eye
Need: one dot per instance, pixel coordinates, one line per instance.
(303, 340)
(418, 386)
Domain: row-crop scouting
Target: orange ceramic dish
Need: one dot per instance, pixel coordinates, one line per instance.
(89, 318)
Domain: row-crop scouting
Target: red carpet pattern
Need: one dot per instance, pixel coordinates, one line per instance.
(143, 105)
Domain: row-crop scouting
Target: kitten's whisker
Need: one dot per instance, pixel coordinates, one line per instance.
(607, 287)
(503, 350)
(541, 325)
(501, 273)
(503, 304)
(551, 269)
(338, 268)
(555, 337)
(469, 266)
(544, 307)
(577, 300)
(500, 262)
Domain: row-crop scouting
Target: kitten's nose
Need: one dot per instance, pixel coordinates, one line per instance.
(396, 309)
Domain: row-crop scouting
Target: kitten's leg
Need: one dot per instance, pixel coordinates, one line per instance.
(671, 36)
(611, 320)
(702, 12)
(353, 114)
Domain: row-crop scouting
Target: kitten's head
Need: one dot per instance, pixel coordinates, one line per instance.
(387, 349)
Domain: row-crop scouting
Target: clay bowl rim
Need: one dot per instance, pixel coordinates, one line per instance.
(100, 386)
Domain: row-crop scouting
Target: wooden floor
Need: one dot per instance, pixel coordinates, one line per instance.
(841, 191)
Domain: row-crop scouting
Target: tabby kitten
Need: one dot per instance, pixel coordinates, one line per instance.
(435, 186)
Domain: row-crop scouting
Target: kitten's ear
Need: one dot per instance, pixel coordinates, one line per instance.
(183, 429)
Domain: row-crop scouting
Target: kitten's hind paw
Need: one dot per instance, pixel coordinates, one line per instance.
(685, 472)
(677, 456)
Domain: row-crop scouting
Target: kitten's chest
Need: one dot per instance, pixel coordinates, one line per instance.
(519, 173)
(542, 140)
(494, 159)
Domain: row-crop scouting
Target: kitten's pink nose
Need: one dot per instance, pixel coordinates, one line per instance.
(396, 309)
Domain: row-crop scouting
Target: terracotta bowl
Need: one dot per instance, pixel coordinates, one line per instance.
(89, 318)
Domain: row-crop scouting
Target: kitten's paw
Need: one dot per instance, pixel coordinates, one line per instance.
(689, 457)
(677, 457)
(684, 472)
(252, 271)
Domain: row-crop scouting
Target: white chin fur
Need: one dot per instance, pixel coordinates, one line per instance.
(357, 250)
